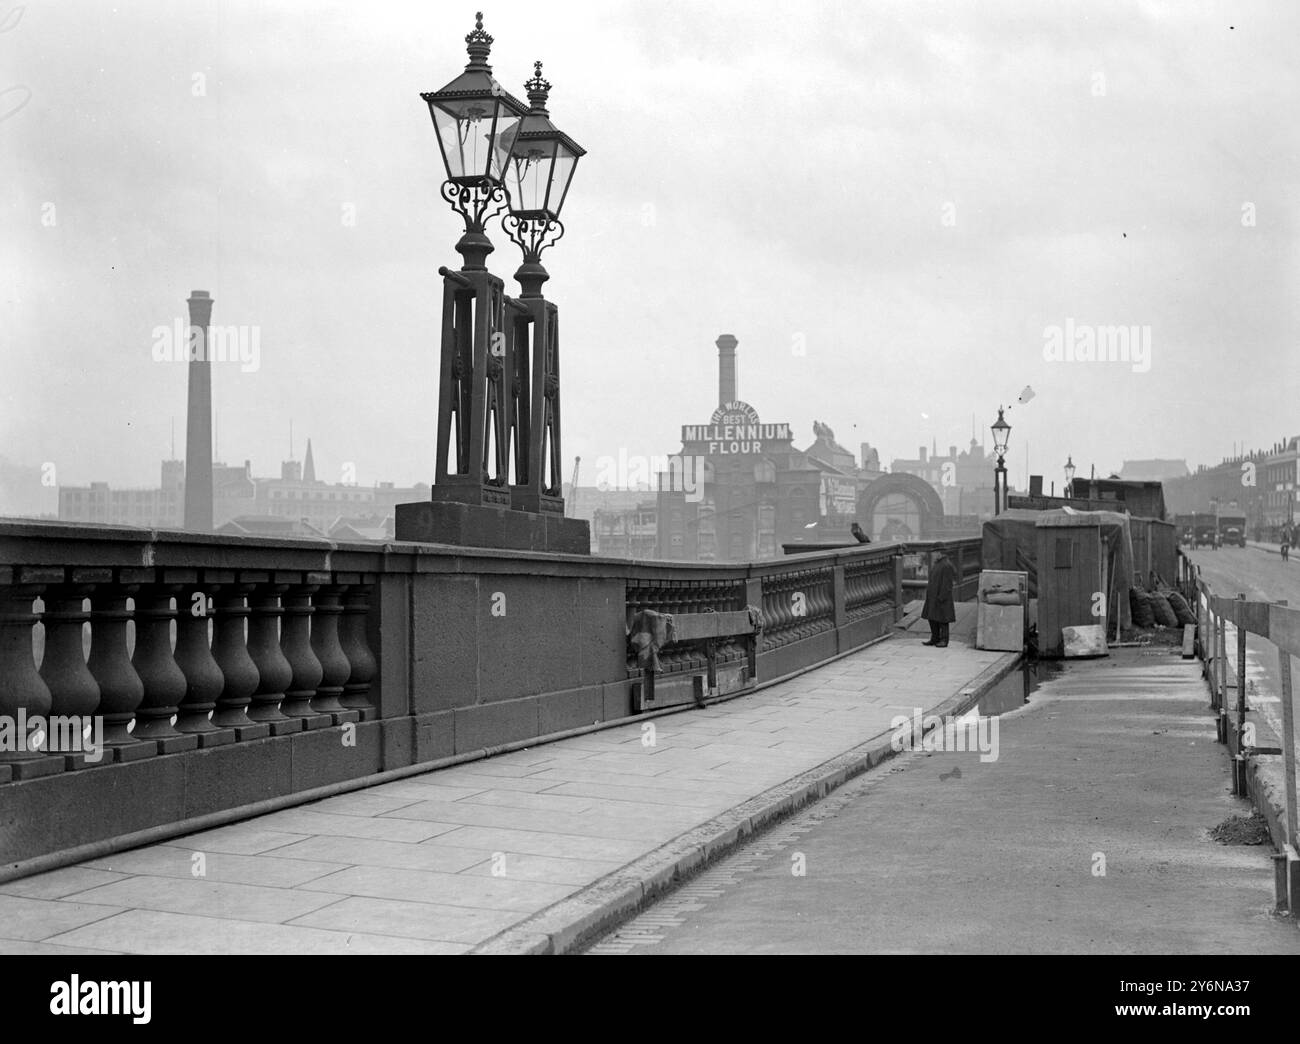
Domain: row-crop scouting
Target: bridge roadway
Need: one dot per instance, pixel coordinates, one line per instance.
(519, 852)
(1089, 834)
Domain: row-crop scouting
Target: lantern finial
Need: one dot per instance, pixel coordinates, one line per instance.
(479, 43)
(538, 89)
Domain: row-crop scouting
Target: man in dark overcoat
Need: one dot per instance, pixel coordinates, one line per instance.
(939, 609)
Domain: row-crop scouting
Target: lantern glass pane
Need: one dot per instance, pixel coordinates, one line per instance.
(471, 132)
(528, 175)
(565, 162)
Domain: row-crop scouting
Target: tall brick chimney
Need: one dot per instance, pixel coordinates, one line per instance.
(198, 419)
(726, 368)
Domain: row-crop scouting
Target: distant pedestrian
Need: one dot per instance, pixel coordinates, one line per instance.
(939, 609)
(1286, 543)
(858, 535)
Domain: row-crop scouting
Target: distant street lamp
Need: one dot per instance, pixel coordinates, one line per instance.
(1069, 476)
(1001, 433)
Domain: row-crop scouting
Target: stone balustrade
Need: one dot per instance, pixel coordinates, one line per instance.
(229, 658)
(205, 674)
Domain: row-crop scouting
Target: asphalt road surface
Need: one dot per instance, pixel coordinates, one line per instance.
(1088, 834)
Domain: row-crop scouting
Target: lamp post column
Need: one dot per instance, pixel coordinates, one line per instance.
(538, 176)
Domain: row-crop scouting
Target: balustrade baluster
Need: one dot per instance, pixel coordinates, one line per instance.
(799, 624)
(203, 678)
(162, 678)
(773, 617)
(230, 650)
(329, 651)
(693, 601)
(851, 591)
(23, 692)
(74, 693)
(673, 603)
(352, 636)
(120, 689)
(697, 595)
(273, 669)
(872, 591)
(295, 642)
(826, 596)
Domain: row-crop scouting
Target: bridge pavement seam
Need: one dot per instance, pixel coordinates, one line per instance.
(567, 925)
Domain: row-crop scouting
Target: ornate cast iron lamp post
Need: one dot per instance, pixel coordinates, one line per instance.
(498, 394)
(1069, 475)
(1001, 433)
(537, 178)
(474, 119)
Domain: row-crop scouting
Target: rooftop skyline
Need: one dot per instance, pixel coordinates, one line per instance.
(897, 203)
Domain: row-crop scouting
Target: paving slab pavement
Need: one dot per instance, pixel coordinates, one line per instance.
(450, 860)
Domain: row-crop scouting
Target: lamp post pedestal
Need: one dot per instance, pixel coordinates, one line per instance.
(496, 398)
(503, 528)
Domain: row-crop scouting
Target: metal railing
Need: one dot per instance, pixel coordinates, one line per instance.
(1280, 626)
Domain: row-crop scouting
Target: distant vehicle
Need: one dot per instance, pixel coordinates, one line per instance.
(1183, 527)
(1232, 530)
(1204, 531)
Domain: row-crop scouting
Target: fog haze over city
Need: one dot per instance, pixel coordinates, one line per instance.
(887, 204)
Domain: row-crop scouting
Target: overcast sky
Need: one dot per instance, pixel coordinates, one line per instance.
(887, 203)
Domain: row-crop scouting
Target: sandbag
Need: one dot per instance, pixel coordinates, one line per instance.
(1181, 609)
(1164, 612)
(1140, 605)
(1087, 640)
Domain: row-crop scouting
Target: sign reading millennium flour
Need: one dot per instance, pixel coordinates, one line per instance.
(734, 428)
